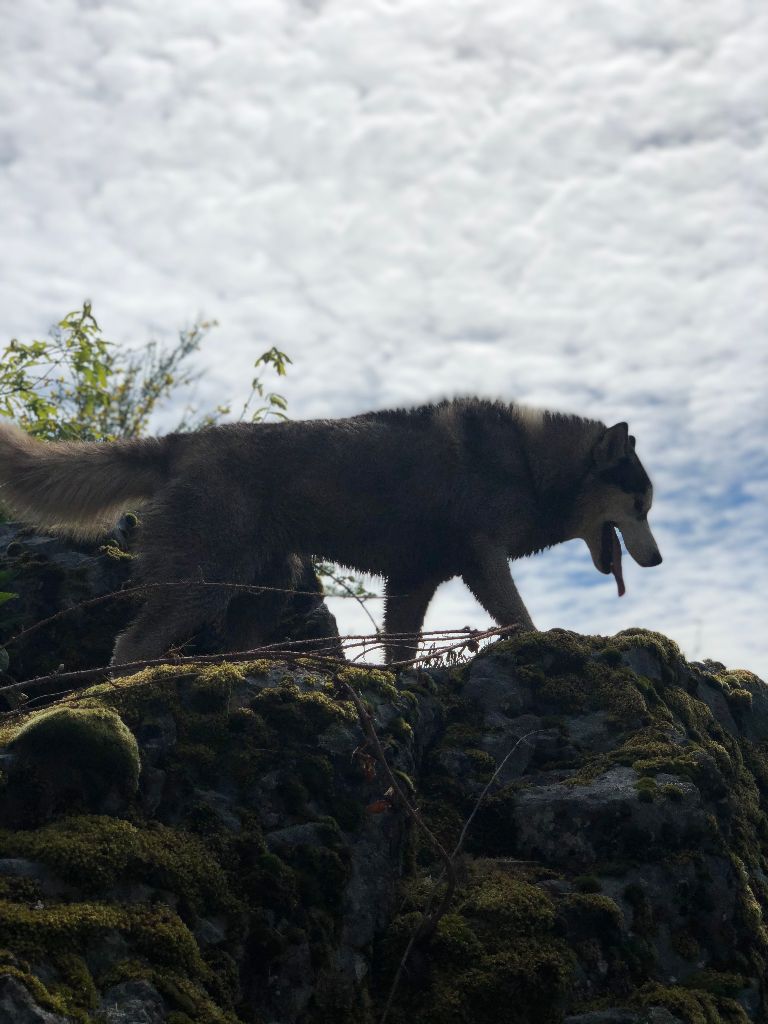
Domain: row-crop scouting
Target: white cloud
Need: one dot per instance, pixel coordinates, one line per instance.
(562, 203)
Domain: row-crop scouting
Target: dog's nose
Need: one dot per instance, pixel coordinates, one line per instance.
(656, 560)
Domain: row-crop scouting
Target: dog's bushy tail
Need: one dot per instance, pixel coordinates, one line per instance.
(78, 487)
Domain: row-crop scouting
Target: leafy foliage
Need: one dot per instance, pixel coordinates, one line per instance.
(58, 388)
(76, 385)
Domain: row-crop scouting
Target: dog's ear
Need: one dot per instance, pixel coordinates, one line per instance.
(612, 447)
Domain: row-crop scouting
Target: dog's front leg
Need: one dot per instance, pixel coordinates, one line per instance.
(488, 576)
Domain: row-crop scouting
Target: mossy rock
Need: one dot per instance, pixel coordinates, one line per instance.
(72, 756)
(496, 956)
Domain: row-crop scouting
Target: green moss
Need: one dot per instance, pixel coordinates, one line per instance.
(592, 912)
(20, 890)
(685, 944)
(692, 1006)
(371, 681)
(646, 788)
(497, 949)
(95, 853)
(588, 883)
(507, 904)
(138, 696)
(530, 982)
(570, 674)
(462, 735)
(445, 821)
(77, 980)
(659, 726)
(643, 921)
(454, 941)
(505, 942)
(270, 883)
(483, 764)
(63, 928)
(739, 682)
(189, 1001)
(298, 715)
(211, 689)
(645, 639)
(268, 900)
(115, 552)
(556, 650)
(293, 794)
(322, 875)
(92, 741)
(718, 983)
(401, 729)
(61, 1002)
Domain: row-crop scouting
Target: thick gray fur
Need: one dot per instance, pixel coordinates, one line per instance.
(417, 496)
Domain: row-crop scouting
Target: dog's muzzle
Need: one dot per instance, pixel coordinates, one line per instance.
(640, 543)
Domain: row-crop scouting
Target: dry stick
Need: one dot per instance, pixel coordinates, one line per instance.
(373, 737)
(278, 649)
(268, 651)
(83, 676)
(486, 787)
(430, 921)
(350, 593)
(144, 587)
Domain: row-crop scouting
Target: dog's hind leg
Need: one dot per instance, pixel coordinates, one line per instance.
(193, 548)
(169, 616)
(406, 605)
(252, 616)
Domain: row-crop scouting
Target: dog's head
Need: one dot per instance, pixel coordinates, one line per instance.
(617, 494)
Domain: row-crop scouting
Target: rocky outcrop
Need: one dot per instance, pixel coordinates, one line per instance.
(618, 868)
(219, 845)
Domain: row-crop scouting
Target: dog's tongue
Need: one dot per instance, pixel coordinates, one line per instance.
(616, 562)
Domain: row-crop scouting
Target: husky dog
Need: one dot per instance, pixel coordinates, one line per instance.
(416, 496)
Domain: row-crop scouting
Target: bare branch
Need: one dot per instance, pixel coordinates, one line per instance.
(430, 919)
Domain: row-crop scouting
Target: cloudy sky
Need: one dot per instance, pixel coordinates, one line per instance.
(561, 203)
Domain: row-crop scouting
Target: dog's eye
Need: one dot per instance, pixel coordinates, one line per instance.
(642, 516)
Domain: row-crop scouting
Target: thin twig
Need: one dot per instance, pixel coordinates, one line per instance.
(142, 588)
(350, 593)
(276, 651)
(486, 787)
(373, 738)
(429, 921)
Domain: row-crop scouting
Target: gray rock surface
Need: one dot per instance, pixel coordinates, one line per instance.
(18, 1007)
(132, 1002)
